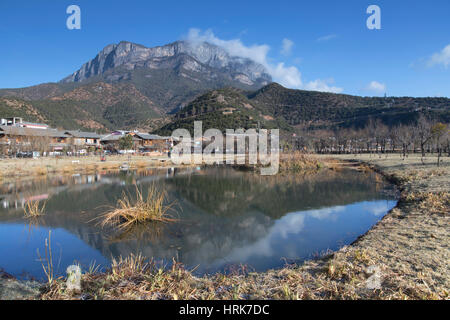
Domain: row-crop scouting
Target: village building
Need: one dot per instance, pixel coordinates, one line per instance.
(15, 139)
(153, 144)
(87, 141)
(18, 122)
(111, 141)
(18, 136)
(142, 142)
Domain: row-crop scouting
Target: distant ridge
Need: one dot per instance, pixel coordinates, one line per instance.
(274, 106)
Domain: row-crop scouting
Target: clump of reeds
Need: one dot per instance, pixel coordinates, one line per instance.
(298, 162)
(33, 210)
(47, 261)
(128, 212)
(131, 265)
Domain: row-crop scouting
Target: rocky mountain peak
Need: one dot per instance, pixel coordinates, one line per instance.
(130, 56)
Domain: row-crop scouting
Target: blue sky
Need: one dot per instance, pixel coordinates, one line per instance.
(327, 45)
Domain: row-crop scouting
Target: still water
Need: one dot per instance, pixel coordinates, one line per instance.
(225, 217)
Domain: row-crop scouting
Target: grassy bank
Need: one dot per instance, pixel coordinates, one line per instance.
(30, 168)
(404, 256)
(14, 168)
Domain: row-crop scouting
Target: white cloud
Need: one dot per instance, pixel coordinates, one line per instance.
(288, 76)
(376, 87)
(235, 47)
(322, 85)
(442, 57)
(327, 37)
(377, 209)
(287, 47)
(291, 224)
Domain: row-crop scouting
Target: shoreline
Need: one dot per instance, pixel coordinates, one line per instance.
(406, 251)
(11, 169)
(21, 168)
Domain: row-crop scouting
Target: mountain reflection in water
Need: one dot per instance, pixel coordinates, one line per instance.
(226, 217)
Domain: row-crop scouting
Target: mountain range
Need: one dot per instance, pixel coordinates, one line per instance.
(274, 106)
(127, 85)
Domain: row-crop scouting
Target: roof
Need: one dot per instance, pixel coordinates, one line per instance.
(146, 136)
(34, 124)
(22, 131)
(115, 137)
(81, 134)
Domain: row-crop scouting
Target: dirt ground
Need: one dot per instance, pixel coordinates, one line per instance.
(404, 256)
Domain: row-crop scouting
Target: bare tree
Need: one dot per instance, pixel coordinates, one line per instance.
(371, 130)
(405, 136)
(340, 140)
(447, 144)
(381, 136)
(393, 139)
(439, 131)
(424, 134)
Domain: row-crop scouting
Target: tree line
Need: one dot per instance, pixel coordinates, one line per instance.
(422, 136)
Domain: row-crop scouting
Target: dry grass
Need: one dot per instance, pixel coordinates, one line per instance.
(299, 162)
(435, 203)
(32, 209)
(11, 168)
(39, 171)
(140, 164)
(69, 169)
(343, 275)
(129, 266)
(91, 167)
(108, 166)
(133, 277)
(129, 211)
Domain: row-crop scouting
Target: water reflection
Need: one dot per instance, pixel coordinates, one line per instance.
(226, 217)
(300, 235)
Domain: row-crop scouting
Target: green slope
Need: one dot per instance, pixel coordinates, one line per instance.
(277, 107)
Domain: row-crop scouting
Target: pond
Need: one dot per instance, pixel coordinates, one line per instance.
(225, 218)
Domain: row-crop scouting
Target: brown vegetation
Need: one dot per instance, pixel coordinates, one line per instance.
(299, 162)
(129, 212)
(33, 209)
